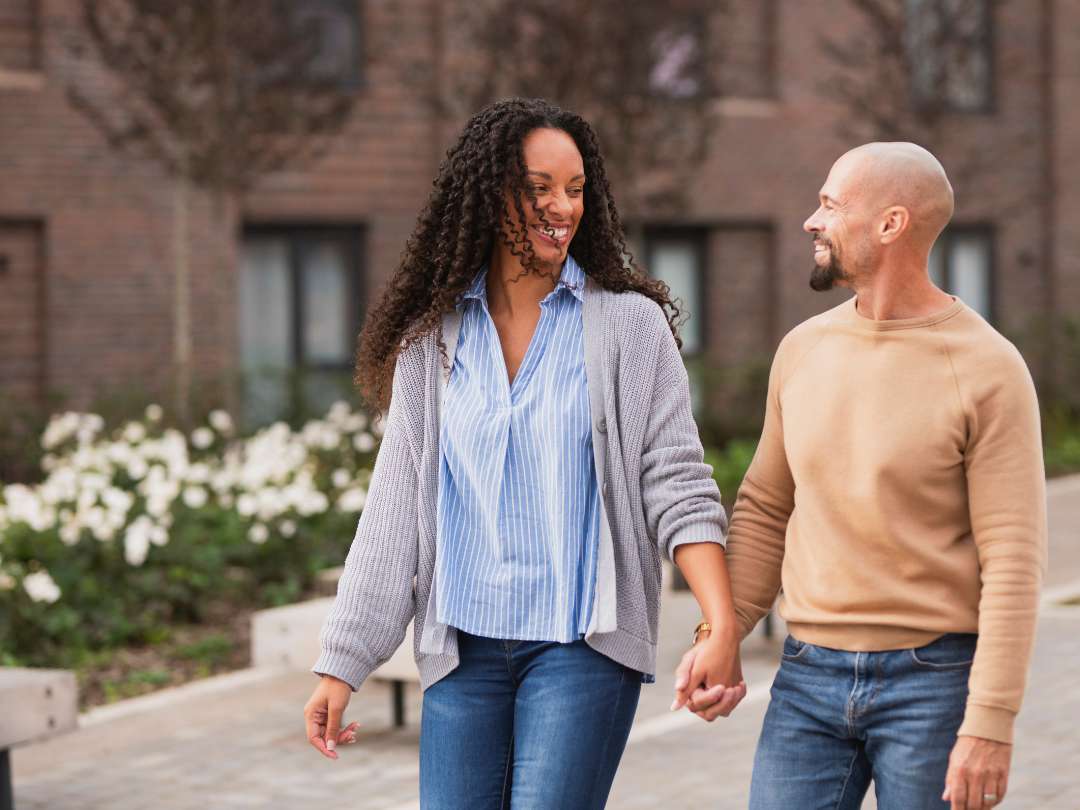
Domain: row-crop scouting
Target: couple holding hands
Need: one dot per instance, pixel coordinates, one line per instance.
(540, 460)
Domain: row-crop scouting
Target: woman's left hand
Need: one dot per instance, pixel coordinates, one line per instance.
(709, 680)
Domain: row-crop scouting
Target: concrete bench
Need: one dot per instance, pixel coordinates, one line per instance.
(35, 704)
(289, 636)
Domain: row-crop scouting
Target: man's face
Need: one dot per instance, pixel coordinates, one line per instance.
(840, 228)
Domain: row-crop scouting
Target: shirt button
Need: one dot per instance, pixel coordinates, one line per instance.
(602, 425)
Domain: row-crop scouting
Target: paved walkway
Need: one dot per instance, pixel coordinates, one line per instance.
(237, 741)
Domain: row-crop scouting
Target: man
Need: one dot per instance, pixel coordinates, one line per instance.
(897, 498)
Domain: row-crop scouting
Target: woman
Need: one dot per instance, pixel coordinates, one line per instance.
(539, 458)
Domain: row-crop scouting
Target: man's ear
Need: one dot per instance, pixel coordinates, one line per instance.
(894, 221)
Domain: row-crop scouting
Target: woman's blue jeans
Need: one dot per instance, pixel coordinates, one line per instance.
(839, 719)
(523, 725)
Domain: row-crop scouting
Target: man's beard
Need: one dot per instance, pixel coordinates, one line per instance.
(824, 278)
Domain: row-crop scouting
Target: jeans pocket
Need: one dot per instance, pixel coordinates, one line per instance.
(794, 650)
(951, 651)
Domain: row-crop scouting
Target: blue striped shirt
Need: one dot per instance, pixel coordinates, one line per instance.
(518, 505)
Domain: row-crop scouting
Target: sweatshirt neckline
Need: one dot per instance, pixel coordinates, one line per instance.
(871, 325)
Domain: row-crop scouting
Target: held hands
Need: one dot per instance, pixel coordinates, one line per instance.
(322, 716)
(708, 680)
(978, 773)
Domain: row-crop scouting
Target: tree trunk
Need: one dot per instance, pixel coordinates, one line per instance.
(182, 342)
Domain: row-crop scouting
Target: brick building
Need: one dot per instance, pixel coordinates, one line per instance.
(86, 251)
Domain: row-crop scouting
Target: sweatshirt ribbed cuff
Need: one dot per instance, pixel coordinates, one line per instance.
(344, 666)
(988, 722)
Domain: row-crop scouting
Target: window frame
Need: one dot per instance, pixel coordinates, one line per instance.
(982, 230)
(354, 237)
(356, 80)
(697, 236)
(948, 105)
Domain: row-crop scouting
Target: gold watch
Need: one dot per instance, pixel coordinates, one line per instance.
(703, 627)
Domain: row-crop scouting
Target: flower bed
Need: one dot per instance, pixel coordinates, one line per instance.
(142, 528)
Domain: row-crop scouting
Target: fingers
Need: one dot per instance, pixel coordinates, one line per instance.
(727, 702)
(315, 726)
(322, 725)
(347, 735)
(976, 783)
(998, 785)
(333, 724)
(959, 795)
(974, 788)
(682, 680)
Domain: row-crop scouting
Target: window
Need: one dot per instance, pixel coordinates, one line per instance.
(300, 309)
(950, 50)
(676, 256)
(962, 264)
(677, 63)
(335, 30)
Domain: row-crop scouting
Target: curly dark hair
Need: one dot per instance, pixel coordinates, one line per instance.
(467, 211)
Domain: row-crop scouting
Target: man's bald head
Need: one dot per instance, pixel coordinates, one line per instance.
(882, 175)
(880, 199)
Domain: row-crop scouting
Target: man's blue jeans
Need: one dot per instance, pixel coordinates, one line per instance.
(525, 725)
(839, 719)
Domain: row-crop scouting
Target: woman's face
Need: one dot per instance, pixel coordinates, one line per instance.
(555, 177)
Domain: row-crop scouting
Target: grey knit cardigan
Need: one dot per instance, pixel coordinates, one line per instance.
(656, 493)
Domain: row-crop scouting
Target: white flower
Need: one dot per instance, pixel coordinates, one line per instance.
(134, 432)
(154, 412)
(341, 478)
(58, 430)
(137, 540)
(221, 421)
(119, 453)
(364, 442)
(258, 534)
(195, 497)
(287, 528)
(246, 504)
(198, 473)
(137, 468)
(355, 422)
(313, 503)
(117, 500)
(202, 437)
(70, 533)
(41, 587)
(159, 535)
(338, 412)
(352, 500)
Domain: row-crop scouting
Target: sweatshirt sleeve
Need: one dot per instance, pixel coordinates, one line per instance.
(1007, 500)
(766, 498)
(375, 601)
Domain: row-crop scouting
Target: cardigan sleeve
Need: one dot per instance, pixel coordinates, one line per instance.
(680, 497)
(375, 599)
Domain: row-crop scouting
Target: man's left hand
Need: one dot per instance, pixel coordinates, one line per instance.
(978, 773)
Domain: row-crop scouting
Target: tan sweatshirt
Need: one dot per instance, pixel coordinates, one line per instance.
(898, 494)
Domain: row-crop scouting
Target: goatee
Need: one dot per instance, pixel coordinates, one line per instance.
(824, 278)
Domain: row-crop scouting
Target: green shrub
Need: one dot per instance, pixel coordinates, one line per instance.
(134, 529)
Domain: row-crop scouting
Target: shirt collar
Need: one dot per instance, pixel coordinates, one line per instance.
(571, 278)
